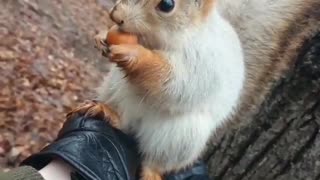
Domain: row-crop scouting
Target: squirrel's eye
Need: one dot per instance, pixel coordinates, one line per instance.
(166, 5)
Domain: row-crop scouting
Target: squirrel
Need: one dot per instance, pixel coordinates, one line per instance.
(199, 64)
(176, 86)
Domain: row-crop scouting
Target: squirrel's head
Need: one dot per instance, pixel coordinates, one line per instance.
(160, 22)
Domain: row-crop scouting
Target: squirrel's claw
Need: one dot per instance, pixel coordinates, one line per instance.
(97, 110)
(123, 53)
(100, 40)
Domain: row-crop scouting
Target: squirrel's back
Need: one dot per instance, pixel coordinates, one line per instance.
(270, 38)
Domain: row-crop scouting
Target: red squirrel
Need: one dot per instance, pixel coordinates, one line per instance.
(197, 65)
(177, 85)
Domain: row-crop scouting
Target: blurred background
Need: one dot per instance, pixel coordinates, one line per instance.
(48, 64)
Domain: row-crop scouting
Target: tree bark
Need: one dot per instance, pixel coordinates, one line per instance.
(283, 140)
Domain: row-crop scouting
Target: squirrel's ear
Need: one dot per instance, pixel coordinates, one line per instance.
(107, 4)
(204, 4)
(199, 3)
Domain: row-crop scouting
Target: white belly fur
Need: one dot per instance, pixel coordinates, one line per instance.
(169, 142)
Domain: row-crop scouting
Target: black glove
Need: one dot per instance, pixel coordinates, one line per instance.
(99, 152)
(198, 171)
(93, 148)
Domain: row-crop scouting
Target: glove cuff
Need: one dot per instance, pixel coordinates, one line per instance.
(92, 148)
(41, 159)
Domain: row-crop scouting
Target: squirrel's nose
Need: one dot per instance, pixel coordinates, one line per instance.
(115, 16)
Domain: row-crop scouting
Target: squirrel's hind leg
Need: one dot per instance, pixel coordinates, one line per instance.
(97, 110)
(150, 174)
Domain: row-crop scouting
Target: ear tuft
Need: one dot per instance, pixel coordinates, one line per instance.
(197, 2)
(107, 4)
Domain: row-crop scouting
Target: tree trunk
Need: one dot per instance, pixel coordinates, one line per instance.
(283, 140)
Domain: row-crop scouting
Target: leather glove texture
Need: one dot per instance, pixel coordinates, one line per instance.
(93, 148)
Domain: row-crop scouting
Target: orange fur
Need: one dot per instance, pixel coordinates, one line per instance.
(96, 110)
(148, 174)
(146, 69)
(207, 8)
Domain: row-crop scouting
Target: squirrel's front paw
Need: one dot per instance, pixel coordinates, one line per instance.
(126, 56)
(100, 41)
